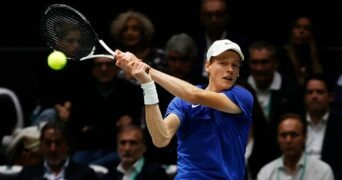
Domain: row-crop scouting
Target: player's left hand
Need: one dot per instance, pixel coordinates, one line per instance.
(139, 70)
(123, 58)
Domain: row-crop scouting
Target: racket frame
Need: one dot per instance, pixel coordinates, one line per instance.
(91, 54)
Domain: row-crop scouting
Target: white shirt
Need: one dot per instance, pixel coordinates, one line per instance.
(315, 136)
(264, 96)
(248, 153)
(307, 168)
(339, 80)
(132, 172)
(249, 148)
(51, 176)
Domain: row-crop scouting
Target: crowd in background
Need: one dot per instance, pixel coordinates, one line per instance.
(100, 105)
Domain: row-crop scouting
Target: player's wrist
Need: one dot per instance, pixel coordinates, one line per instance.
(150, 93)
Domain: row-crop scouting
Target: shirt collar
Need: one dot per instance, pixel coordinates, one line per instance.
(323, 120)
(137, 166)
(61, 174)
(275, 85)
(299, 164)
(66, 163)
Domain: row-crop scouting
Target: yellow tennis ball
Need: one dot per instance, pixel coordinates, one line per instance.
(57, 60)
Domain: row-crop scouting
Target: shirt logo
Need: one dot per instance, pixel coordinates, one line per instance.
(194, 105)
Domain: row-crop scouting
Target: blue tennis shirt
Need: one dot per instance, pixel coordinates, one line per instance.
(211, 143)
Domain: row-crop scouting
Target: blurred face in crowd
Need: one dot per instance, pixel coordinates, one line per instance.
(131, 33)
(214, 15)
(223, 70)
(131, 147)
(317, 96)
(104, 69)
(54, 148)
(179, 65)
(70, 43)
(291, 138)
(301, 30)
(262, 67)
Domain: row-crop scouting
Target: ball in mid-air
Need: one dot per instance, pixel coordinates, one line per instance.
(57, 60)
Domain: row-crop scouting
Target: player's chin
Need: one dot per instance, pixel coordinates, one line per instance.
(229, 81)
(227, 85)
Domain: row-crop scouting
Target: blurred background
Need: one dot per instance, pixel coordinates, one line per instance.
(23, 61)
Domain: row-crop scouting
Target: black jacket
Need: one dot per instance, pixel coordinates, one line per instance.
(74, 171)
(150, 171)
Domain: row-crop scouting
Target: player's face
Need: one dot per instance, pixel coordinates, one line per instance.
(291, 138)
(223, 70)
(317, 97)
(104, 69)
(131, 34)
(54, 148)
(262, 66)
(130, 147)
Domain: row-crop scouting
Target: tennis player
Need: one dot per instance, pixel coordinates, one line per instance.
(211, 121)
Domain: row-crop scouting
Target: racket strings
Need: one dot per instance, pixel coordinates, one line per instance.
(67, 31)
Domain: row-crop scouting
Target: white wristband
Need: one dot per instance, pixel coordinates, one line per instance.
(150, 93)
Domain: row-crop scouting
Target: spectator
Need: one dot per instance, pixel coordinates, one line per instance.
(133, 31)
(215, 19)
(294, 162)
(133, 165)
(68, 38)
(181, 54)
(57, 164)
(324, 126)
(43, 113)
(275, 93)
(302, 50)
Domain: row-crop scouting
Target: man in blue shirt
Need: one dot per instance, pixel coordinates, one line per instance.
(211, 122)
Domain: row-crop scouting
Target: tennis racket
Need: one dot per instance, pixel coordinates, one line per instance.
(65, 29)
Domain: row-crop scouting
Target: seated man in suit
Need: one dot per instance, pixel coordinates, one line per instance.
(324, 141)
(133, 165)
(57, 164)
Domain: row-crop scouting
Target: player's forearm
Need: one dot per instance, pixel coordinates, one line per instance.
(156, 126)
(177, 87)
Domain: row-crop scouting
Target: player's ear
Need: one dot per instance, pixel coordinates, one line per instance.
(206, 66)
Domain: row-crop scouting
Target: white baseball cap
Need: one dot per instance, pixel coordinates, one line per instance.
(220, 46)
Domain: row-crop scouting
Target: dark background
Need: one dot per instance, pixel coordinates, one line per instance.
(20, 18)
(23, 65)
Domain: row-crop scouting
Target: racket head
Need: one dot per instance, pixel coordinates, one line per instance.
(65, 29)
